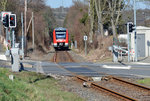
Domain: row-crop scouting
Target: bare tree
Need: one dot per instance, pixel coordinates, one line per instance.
(3, 4)
(115, 9)
(100, 6)
(91, 16)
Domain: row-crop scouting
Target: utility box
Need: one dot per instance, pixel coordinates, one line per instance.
(7, 53)
(15, 59)
(143, 41)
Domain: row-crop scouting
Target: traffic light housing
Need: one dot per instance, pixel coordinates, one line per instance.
(131, 27)
(12, 20)
(6, 21)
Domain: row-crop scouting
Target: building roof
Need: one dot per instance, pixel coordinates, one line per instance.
(142, 28)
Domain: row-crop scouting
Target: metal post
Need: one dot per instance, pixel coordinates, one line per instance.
(13, 38)
(7, 36)
(135, 41)
(128, 42)
(121, 55)
(0, 28)
(85, 48)
(22, 41)
(75, 44)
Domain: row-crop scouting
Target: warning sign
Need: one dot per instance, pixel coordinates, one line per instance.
(85, 38)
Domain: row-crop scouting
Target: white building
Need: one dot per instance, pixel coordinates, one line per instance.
(123, 38)
(143, 41)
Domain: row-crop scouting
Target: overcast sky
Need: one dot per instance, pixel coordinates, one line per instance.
(68, 3)
(58, 3)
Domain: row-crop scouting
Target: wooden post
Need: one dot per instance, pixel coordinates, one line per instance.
(25, 26)
(31, 21)
(32, 30)
(25, 17)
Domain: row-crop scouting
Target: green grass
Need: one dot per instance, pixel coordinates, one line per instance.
(107, 59)
(145, 81)
(29, 86)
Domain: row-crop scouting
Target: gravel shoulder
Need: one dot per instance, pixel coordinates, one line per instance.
(70, 84)
(39, 56)
(77, 57)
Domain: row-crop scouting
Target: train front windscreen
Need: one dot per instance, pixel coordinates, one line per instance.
(60, 34)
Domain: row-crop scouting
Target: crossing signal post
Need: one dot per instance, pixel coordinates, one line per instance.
(14, 49)
(6, 21)
(9, 22)
(131, 27)
(12, 20)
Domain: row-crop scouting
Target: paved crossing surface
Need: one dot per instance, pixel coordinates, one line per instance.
(139, 69)
(91, 69)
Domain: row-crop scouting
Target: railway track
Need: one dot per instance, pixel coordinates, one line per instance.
(116, 82)
(130, 83)
(139, 92)
(62, 56)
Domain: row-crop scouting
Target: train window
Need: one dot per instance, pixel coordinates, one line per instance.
(60, 34)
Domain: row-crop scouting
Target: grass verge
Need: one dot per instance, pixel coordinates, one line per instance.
(29, 86)
(145, 81)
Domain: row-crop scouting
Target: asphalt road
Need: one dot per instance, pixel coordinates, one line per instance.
(123, 70)
(92, 69)
(134, 70)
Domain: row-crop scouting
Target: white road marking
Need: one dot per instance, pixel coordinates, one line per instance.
(3, 57)
(116, 67)
(143, 76)
(141, 63)
(72, 66)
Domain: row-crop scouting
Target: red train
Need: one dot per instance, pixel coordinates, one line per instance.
(60, 38)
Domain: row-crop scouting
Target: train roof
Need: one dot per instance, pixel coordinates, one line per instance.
(60, 28)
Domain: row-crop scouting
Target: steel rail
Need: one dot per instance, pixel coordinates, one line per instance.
(93, 84)
(55, 57)
(130, 83)
(124, 81)
(69, 56)
(124, 97)
(56, 53)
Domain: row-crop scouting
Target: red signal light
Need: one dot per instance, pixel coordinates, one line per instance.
(12, 21)
(11, 18)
